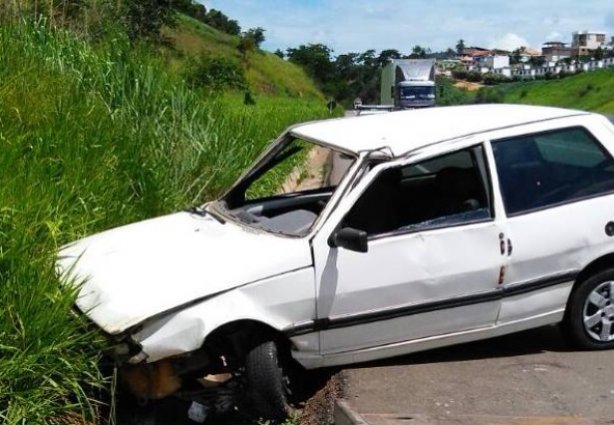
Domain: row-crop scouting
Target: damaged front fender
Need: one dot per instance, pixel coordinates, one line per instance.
(278, 302)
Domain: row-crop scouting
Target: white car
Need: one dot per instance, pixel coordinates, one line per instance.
(363, 238)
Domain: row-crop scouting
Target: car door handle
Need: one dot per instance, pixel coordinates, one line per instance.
(510, 247)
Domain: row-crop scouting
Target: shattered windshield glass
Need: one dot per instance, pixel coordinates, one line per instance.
(287, 191)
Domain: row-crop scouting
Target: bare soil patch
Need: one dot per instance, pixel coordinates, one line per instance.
(468, 86)
(311, 174)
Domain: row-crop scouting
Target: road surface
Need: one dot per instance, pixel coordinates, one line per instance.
(499, 381)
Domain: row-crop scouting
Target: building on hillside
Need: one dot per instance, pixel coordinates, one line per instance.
(526, 53)
(554, 51)
(500, 52)
(474, 51)
(583, 42)
(471, 56)
(494, 61)
(506, 71)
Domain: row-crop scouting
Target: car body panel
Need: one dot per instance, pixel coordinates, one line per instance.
(134, 272)
(405, 131)
(183, 276)
(280, 302)
(311, 361)
(401, 272)
(559, 239)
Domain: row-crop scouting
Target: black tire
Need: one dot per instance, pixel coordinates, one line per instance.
(266, 386)
(574, 321)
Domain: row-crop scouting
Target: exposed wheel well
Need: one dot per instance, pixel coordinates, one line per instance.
(602, 263)
(235, 339)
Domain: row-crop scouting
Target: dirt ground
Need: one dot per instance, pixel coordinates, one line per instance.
(469, 86)
(312, 174)
(318, 409)
(317, 393)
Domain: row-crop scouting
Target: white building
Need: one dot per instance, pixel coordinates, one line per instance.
(589, 40)
(494, 61)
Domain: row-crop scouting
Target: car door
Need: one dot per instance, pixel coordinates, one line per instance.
(434, 255)
(558, 190)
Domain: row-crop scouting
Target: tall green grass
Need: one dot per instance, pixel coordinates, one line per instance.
(93, 137)
(590, 91)
(265, 72)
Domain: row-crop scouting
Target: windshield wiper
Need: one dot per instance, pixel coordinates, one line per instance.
(203, 212)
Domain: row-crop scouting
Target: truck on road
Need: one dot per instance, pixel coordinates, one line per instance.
(408, 83)
(405, 84)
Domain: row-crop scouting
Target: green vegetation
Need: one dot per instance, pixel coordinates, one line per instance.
(94, 136)
(591, 91)
(266, 73)
(448, 95)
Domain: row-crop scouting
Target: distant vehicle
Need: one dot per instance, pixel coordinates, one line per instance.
(405, 84)
(446, 225)
(373, 109)
(409, 83)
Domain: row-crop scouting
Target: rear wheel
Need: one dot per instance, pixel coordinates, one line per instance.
(590, 316)
(267, 382)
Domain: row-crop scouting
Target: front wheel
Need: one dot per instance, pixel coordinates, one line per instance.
(590, 315)
(267, 383)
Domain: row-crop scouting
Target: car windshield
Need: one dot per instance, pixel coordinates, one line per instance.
(420, 92)
(287, 190)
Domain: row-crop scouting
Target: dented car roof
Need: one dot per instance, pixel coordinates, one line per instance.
(405, 131)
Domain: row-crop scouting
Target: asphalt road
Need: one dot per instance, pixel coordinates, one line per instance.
(532, 374)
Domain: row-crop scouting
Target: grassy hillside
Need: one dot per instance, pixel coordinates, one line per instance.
(93, 137)
(266, 73)
(591, 91)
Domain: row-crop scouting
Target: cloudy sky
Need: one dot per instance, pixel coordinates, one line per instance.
(358, 25)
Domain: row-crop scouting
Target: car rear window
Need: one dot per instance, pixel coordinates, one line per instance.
(547, 169)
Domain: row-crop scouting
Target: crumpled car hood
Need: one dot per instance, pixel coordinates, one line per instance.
(132, 273)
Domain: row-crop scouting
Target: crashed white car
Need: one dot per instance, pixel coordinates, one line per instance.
(362, 238)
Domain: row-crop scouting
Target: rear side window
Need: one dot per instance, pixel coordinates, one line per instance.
(546, 169)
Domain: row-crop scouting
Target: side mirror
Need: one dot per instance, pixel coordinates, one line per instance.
(350, 239)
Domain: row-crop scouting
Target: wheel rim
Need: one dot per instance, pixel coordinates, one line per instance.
(598, 313)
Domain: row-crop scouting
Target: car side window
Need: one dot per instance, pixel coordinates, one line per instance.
(546, 169)
(448, 190)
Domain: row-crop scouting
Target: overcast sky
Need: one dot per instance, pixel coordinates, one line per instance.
(358, 25)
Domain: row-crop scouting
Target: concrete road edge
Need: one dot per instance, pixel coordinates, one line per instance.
(345, 415)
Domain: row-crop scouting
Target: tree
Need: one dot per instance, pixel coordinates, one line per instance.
(191, 8)
(256, 34)
(516, 56)
(460, 47)
(316, 59)
(386, 55)
(219, 21)
(599, 53)
(145, 18)
(417, 52)
(537, 61)
(280, 53)
(246, 45)
(450, 53)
